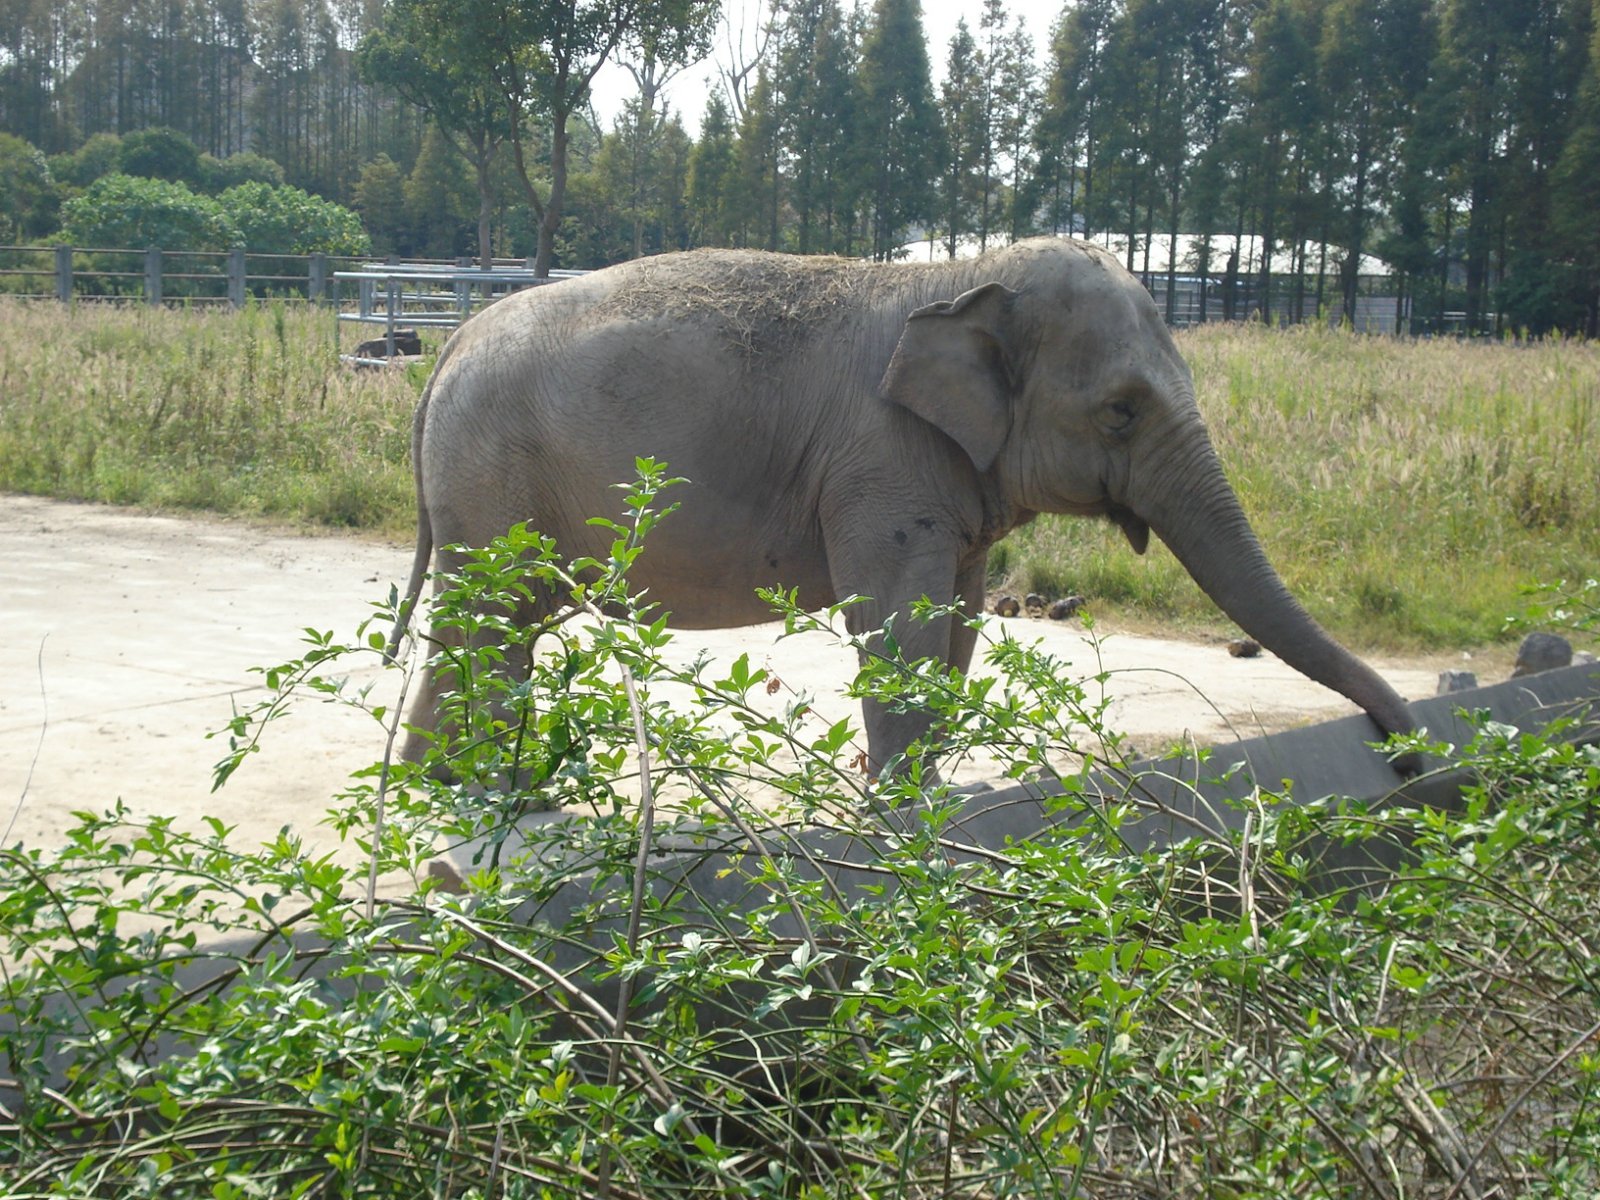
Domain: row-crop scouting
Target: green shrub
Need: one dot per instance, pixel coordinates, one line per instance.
(28, 198)
(160, 153)
(121, 211)
(286, 220)
(220, 174)
(1061, 1017)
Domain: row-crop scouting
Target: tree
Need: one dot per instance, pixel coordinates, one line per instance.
(899, 120)
(220, 174)
(100, 155)
(124, 210)
(381, 202)
(1072, 122)
(711, 181)
(1018, 81)
(961, 108)
(287, 220)
(1576, 197)
(430, 55)
(160, 153)
(439, 200)
(1372, 63)
(815, 113)
(28, 197)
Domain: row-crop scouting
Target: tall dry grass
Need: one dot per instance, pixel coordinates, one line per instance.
(1406, 490)
(241, 412)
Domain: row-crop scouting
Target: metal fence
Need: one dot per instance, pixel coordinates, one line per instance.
(416, 295)
(157, 276)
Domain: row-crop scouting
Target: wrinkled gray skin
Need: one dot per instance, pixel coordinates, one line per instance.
(846, 429)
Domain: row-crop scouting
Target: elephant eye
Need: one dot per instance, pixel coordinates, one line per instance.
(1120, 415)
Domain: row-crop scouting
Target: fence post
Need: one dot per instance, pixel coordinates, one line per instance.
(236, 277)
(319, 278)
(64, 274)
(152, 275)
(391, 310)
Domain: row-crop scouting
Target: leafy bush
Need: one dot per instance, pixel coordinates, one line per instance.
(28, 197)
(220, 174)
(119, 211)
(100, 155)
(587, 1015)
(160, 153)
(287, 220)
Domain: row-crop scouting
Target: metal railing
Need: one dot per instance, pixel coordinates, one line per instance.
(157, 276)
(429, 296)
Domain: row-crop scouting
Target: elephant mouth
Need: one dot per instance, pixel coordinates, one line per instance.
(1133, 527)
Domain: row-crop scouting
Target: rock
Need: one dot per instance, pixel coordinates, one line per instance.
(1244, 647)
(1006, 605)
(1068, 607)
(406, 342)
(1542, 652)
(1455, 681)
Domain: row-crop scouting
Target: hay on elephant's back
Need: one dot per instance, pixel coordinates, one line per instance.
(764, 302)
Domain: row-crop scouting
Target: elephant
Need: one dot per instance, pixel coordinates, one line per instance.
(846, 428)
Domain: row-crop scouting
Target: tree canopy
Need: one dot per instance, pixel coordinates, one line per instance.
(1455, 139)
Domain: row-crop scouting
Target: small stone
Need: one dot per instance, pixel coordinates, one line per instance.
(1006, 605)
(1542, 652)
(1244, 647)
(1068, 607)
(1455, 681)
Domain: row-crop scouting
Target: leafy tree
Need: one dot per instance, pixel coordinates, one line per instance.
(160, 153)
(961, 107)
(1576, 199)
(711, 180)
(759, 177)
(99, 155)
(430, 55)
(286, 220)
(1373, 59)
(815, 113)
(1072, 121)
(380, 200)
(220, 174)
(129, 211)
(899, 120)
(1019, 85)
(28, 197)
(439, 199)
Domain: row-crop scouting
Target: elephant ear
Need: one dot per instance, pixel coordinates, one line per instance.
(953, 370)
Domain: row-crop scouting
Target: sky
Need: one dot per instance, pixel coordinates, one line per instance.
(688, 91)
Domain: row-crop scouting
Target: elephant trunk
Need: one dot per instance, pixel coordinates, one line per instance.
(1196, 513)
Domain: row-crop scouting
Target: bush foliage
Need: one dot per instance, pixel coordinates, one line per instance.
(581, 1016)
(118, 211)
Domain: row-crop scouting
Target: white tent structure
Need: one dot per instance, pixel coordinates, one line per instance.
(1374, 313)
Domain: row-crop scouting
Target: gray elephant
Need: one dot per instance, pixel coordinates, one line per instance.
(846, 428)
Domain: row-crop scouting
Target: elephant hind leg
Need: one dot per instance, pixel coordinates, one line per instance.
(490, 665)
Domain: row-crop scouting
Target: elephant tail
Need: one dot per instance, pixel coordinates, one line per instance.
(424, 551)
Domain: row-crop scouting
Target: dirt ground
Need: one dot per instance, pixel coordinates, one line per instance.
(130, 637)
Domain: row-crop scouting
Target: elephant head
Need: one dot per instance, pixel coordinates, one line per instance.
(1059, 380)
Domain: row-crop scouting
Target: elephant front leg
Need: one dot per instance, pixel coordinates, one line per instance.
(891, 584)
